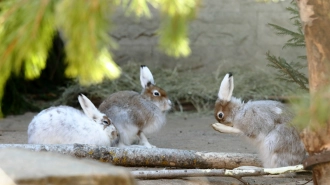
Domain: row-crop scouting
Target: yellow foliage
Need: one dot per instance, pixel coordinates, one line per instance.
(138, 7)
(27, 28)
(88, 59)
(174, 39)
(34, 65)
(95, 73)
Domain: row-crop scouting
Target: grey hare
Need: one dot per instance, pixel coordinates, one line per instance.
(67, 125)
(265, 123)
(134, 114)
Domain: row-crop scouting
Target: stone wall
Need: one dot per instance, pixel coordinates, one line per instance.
(226, 34)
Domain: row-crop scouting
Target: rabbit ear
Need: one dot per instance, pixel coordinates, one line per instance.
(226, 87)
(89, 108)
(146, 77)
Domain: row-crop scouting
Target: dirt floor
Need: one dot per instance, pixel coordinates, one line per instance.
(189, 131)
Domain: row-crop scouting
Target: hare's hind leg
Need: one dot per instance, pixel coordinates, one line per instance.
(124, 139)
(144, 141)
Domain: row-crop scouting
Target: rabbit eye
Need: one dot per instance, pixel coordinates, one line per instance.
(105, 122)
(156, 93)
(221, 115)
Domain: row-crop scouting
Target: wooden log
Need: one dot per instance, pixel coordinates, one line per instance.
(237, 172)
(155, 157)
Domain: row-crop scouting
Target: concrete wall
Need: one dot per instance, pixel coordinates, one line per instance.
(226, 33)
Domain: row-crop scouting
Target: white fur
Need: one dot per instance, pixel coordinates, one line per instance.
(136, 114)
(277, 110)
(225, 129)
(89, 109)
(67, 125)
(226, 88)
(266, 124)
(146, 76)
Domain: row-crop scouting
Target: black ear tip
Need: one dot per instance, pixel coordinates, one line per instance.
(142, 66)
(230, 74)
(149, 84)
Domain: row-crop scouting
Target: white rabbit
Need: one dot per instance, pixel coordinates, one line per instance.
(265, 123)
(67, 125)
(134, 114)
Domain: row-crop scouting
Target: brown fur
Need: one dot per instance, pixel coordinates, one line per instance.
(224, 107)
(117, 98)
(149, 90)
(135, 114)
(108, 120)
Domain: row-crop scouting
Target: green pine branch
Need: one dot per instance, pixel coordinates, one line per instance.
(293, 10)
(297, 38)
(288, 71)
(304, 57)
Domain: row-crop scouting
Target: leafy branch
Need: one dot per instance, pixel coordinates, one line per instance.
(287, 71)
(290, 72)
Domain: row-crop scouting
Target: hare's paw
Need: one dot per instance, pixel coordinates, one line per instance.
(122, 145)
(139, 146)
(148, 145)
(144, 141)
(225, 129)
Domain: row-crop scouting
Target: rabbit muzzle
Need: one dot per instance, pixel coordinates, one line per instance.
(114, 134)
(164, 105)
(168, 105)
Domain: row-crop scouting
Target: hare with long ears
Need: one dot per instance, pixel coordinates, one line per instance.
(67, 125)
(135, 114)
(264, 123)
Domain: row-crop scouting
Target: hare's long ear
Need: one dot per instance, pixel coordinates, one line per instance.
(146, 77)
(226, 87)
(89, 108)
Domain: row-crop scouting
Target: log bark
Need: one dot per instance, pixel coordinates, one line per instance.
(316, 19)
(155, 157)
(237, 172)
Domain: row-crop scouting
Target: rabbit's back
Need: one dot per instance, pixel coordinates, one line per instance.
(258, 118)
(65, 125)
(129, 109)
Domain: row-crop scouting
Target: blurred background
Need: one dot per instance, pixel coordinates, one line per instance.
(225, 36)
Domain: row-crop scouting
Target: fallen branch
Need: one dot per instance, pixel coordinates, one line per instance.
(237, 172)
(225, 129)
(155, 157)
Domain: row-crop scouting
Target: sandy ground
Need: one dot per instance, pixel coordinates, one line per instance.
(189, 131)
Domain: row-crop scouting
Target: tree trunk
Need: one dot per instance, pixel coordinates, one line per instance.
(315, 15)
(155, 157)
